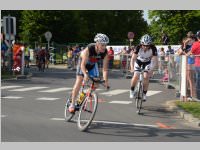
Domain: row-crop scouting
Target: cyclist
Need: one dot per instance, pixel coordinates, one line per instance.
(145, 56)
(87, 64)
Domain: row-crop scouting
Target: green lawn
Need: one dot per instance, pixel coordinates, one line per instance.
(191, 107)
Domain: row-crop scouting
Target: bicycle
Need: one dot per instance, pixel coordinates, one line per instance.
(86, 104)
(139, 91)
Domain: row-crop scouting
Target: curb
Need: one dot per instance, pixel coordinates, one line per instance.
(19, 78)
(183, 114)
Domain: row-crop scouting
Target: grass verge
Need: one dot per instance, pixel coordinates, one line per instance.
(190, 107)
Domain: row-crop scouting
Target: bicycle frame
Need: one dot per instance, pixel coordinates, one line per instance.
(139, 92)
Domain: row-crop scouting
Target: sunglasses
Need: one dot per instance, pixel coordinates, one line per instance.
(146, 45)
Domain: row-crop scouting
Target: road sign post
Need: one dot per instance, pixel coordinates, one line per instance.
(131, 36)
(9, 28)
(48, 36)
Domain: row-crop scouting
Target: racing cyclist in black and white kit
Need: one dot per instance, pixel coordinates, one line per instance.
(88, 65)
(145, 56)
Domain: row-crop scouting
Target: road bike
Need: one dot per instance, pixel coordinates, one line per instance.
(139, 91)
(86, 104)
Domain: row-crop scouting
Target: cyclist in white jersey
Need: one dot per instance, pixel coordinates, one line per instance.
(145, 56)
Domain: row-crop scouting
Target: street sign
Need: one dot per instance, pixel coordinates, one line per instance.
(9, 22)
(131, 35)
(48, 35)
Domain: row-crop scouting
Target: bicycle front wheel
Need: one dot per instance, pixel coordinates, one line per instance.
(87, 112)
(139, 97)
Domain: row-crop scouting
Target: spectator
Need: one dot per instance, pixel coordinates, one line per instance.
(4, 49)
(165, 39)
(111, 57)
(69, 57)
(27, 55)
(47, 58)
(186, 50)
(161, 60)
(195, 50)
(170, 51)
(123, 55)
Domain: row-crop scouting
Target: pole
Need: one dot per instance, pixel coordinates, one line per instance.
(22, 61)
(10, 48)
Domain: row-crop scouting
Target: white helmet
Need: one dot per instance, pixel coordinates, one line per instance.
(146, 40)
(101, 38)
(198, 34)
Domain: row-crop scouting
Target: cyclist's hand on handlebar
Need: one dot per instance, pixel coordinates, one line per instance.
(86, 77)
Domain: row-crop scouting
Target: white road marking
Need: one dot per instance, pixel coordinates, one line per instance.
(113, 122)
(56, 90)
(58, 119)
(114, 92)
(28, 89)
(150, 93)
(11, 97)
(9, 87)
(3, 116)
(47, 99)
(120, 102)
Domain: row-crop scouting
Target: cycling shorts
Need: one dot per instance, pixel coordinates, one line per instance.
(94, 72)
(145, 65)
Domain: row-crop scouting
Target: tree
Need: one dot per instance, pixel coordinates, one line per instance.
(74, 26)
(176, 23)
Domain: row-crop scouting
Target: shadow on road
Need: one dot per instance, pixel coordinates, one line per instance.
(144, 133)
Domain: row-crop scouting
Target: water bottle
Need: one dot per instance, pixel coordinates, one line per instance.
(81, 97)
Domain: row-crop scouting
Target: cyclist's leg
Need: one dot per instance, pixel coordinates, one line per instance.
(146, 79)
(75, 91)
(134, 80)
(135, 76)
(94, 73)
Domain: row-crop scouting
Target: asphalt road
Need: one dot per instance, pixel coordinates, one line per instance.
(33, 111)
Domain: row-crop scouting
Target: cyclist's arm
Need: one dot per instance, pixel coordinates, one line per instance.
(84, 56)
(133, 59)
(154, 62)
(105, 69)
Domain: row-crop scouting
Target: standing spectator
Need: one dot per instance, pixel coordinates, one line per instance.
(186, 50)
(76, 53)
(165, 39)
(187, 45)
(170, 51)
(69, 57)
(123, 55)
(195, 50)
(161, 60)
(47, 58)
(27, 55)
(4, 49)
(111, 57)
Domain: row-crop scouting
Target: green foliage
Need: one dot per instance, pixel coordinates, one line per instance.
(176, 23)
(80, 26)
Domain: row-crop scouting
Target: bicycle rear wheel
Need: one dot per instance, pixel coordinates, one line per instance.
(139, 97)
(87, 112)
(67, 114)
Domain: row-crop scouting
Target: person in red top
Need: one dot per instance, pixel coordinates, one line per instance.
(195, 50)
(111, 57)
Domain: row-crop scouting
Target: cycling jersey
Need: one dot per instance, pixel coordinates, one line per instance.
(91, 64)
(144, 57)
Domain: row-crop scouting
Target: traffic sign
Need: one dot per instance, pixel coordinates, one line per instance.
(48, 35)
(131, 35)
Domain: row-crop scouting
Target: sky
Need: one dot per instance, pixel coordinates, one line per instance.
(146, 16)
